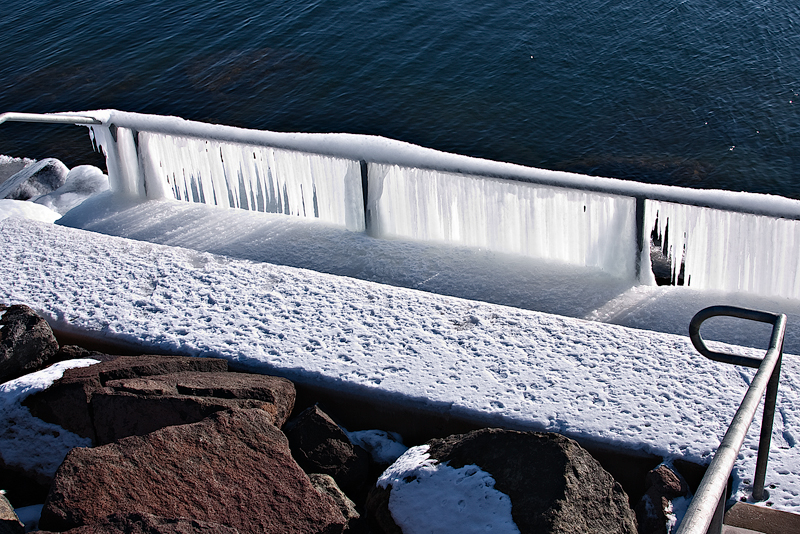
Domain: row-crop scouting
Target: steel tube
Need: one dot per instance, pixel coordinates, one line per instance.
(765, 441)
(701, 511)
(51, 118)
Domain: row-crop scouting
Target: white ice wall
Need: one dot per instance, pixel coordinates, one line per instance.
(255, 178)
(730, 251)
(573, 226)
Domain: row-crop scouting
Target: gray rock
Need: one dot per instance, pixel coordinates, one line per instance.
(9, 522)
(554, 485)
(37, 179)
(233, 468)
(325, 484)
(27, 343)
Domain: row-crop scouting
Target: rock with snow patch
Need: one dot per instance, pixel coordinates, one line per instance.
(36, 179)
(320, 446)
(27, 343)
(9, 522)
(662, 485)
(553, 484)
(233, 468)
(141, 523)
(80, 183)
(131, 396)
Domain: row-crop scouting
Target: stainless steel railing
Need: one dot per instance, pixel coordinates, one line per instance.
(706, 511)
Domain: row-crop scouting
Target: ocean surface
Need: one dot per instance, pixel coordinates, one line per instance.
(697, 93)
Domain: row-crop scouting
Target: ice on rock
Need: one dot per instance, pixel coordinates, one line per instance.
(9, 166)
(81, 183)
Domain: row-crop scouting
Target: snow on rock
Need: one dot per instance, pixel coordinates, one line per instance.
(432, 497)
(27, 441)
(81, 183)
(384, 447)
(496, 365)
(27, 210)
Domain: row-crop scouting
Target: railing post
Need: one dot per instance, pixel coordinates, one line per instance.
(642, 240)
(765, 440)
(719, 516)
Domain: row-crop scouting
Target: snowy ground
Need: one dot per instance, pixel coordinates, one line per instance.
(500, 365)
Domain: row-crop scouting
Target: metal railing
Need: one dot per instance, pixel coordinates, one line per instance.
(706, 511)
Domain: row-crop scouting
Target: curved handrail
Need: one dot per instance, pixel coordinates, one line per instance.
(706, 510)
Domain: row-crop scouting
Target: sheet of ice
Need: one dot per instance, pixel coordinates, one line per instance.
(430, 497)
(27, 210)
(81, 183)
(670, 308)
(496, 365)
(465, 272)
(27, 441)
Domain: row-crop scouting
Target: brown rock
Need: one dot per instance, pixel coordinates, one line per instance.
(320, 446)
(27, 343)
(131, 396)
(555, 486)
(233, 468)
(662, 485)
(138, 523)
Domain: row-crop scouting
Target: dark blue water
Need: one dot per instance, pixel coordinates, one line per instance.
(700, 93)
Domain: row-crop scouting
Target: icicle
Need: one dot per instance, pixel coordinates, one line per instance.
(254, 178)
(730, 251)
(572, 226)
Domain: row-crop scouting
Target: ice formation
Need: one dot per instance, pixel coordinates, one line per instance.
(419, 193)
(731, 251)
(568, 225)
(253, 178)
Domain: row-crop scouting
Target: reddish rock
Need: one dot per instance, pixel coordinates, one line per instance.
(320, 446)
(233, 468)
(662, 485)
(134, 395)
(27, 343)
(137, 523)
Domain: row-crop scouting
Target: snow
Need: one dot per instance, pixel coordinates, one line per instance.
(384, 447)
(432, 497)
(497, 365)
(27, 210)
(27, 441)
(30, 515)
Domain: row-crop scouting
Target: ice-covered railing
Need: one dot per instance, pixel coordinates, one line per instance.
(713, 239)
